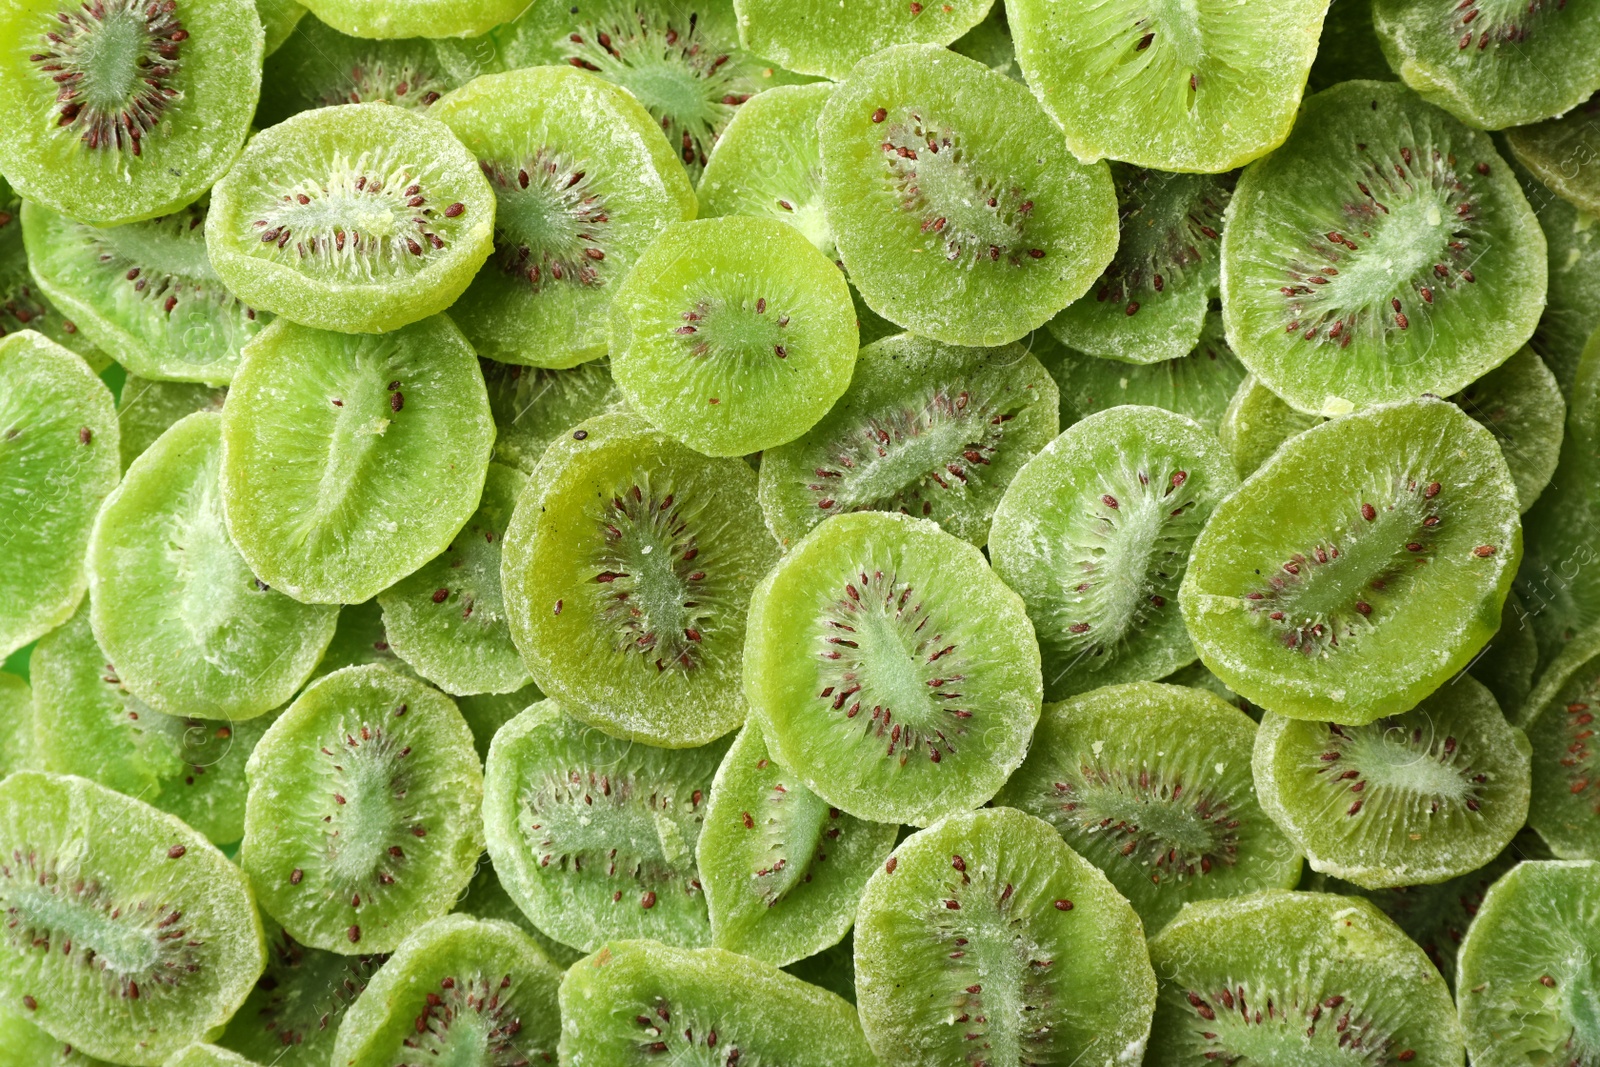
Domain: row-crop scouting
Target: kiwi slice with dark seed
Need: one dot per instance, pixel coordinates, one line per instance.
(320, 67)
(1564, 153)
(146, 409)
(533, 406)
(1559, 716)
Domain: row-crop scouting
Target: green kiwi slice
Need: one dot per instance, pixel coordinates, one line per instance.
(633, 1001)
(16, 725)
(782, 870)
(360, 218)
(533, 406)
(486, 898)
(733, 334)
(1151, 783)
(833, 969)
(1509, 662)
(58, 461)
(415, 18)
(1572, 304)
(926, 429)
(125, 110)
(593, 836)
(146, 409)
(23, 305)
(1196, 676)
(1348, 49)
(1256, 422)
(829, 39)
(22, 1044)
(362, 819)
(1201, 88)
(891, 670)
(349, 460)
(457, 990)
(627, 571)
(926, 153)
(1332, 979)
(278, 19)
(1564, 154)
(1308, 589)
(360, 639)
(989, 42)
(1559, 716)
(320, 67)
(487, 712)
(985, 939)
(1094, 533)
(1526, 982)
(129, 935)
(1521, 404)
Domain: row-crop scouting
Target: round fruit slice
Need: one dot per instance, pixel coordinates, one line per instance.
(1331, 979)
(320, 67)
(1572, 305)
(594, 837)
(986, 939)
(1383, 252)
(1151, 784)
(124, 110)
(1564, 154)
(363, 813)
(128, 935)
(1308, 589)
(627, 572)
(360, 219)
(1256, 423)
(1095, 532)
(890, 701)
(58, 461)
(534, 406)
(957, 207)
(349, 461)
(925, 429)
(583, 182)
(22, 305)
(828, 39)
(146, 409)
(1559, 716)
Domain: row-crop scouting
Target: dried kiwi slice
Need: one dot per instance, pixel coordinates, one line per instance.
(1509, 662)
(204, 1055)
(360, 218)
(1572, 304)
(486, 898)
(594, 837)
(891, 670)
(1151, 783)
(17, 751)
(1348, 48)
(627, 572)
(414, 18)
(278, 19)
(1564, 153)
(829, 39)
(1095, 532)
(985, 939)
(930, 154)
(1521, 404)
(348, 461)
(320, 67)
(1308, 588)
(534, 405)
(23, 306)
(22, 1044)
(360, 639)
(925, 429)
(1256, 423)
(1559, 717)
(363, 812)
(487, 712)
(146, 409)
(128, 934)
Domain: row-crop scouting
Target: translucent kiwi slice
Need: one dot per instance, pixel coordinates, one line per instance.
(320, 67)
(1332, 978)
(125, 110)
(594, 837)
(1559, 717)
(349, 461)
(1256, 422)
(360, 218)
(128, 934)
(1198, 89)
(1308, 588)
(890, 669)
(22, 1044)
(956, 205)
(782, 870)
(1407, 263)
(533, 406)
(627, 572)
(829, 40)
(415, 18)
(23, 305)
(16, 725)
(146, 409)
(925, 429)
(362, 819)
(1095, 532)
(636, 1000)
(985, 939)
(58, 461)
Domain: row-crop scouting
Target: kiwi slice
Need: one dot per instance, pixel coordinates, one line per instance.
(487, 712)
(1095, 532)
(782, 870)
(16, 725)
(1348, 49)
(1308, 588)
(414, 18)
(486, 898)
(129, 935)
(1564, 153)
(23, 305)
(926, 152)
(360, 639)
(832, 969)
(633, 1001)
(1521, 404)
(1527, 984)
(320, 67)
(989, 42)
(1559, 716)
(1256, 422)
(627, 571)
(278, 20)
(533, 406)
(1572, 304)
(594, 837)
(457, 990)
(125, 110)
(925, 429)
(362, 819)
(1508, 663)
(58, 461)
(146, 409)
(22, 1044)
(1333, 979)
(828, 39)
(887, 699)
(360, 219)
(985, 939)
(1196, 676)
(348, 460)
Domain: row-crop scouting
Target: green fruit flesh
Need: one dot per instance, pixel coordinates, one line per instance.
(145, 409)
(486, 898)
(487, 712)
(1572, 305)
(17, 751)
(318, 66)
(1559, 717)
(1509, 663)
(1520, 403)
(1564, 154)
(1349, 48)
(22, 1044)
(1256, 423)
(828, 40)
(23, 305)
(534, 406)
(416, 18)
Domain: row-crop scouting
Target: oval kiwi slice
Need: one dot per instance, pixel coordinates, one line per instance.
(146, 409)
(829, 40)
(348, 461)
(1559, 716)
(890, 701)
(1564, 153)
(363, 812)
(320, 67)
(1095, 532)
(534, 405)
(128, 934)
(1308, 589)
(360, 218)
(985, 939)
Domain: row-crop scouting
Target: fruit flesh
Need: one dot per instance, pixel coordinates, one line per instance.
(829, 41)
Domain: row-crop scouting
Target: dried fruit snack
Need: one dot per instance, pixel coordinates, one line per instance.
(23, 305)
(145, 410)
(1559, 717)
(415, 18)
(204, 1055)
(22, 1044)
(828, 40)
(16, 725)
(535, 405)
(320, 67)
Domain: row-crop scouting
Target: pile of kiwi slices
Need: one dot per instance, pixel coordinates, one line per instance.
(785, 533)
